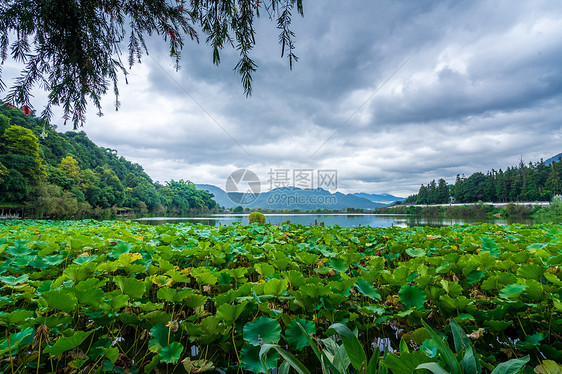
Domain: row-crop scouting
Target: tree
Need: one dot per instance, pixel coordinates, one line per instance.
(553, 182)
(3, 172)
(70, 167)
(442, 192)
(19, 142)
(4, 123)
(72, 48)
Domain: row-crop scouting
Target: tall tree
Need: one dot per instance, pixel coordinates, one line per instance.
(20, 143)
(553, 182)
(442, 192)
(72, 48)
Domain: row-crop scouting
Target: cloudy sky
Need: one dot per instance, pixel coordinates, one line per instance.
(391, 94)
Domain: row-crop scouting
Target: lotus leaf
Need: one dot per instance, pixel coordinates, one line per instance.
(367, 289)
(61, 299)
(250, 358)
(294, 334)
(412, 296)
(262, 330)
(67, 343)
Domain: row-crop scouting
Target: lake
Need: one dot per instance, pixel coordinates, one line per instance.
(343, 219)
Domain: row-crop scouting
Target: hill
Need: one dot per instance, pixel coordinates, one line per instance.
(295, 198)
(384, 198)
(54, 174)
(553, 159)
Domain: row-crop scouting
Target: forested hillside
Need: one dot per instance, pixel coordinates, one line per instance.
(533, 182)
(53, 174)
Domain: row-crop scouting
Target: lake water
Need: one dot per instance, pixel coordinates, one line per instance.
(344, 220)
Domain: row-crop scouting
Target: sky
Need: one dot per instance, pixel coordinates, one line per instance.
(390, 94)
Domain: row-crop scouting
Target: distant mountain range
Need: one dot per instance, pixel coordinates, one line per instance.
(303, 199)
(553, 158)
(384, 198)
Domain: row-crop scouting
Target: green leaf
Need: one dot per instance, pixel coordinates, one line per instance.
(12, 281)
(470, 362)
(373, 362)
(250, 358)
(295, 278)
(531, 341)
(416, 252)
(161, 337)
(152, 365)
(548, 367)
(338, 264)
(512, 366)
(172, 353)
(489, 244)
(433, 367)
(230, 313)
(91, 296)
(406, 363)
(412, 296)
(498, 326)
(198, 366)
(531, 271)
(64, 344)
(474, 276)
(133, 288)
(446, 354)
(353, 347)
(165, 293)
(21, 249)
(462, 342)
(295, 336)
(194, 300)
(83, 259)
(512, 290)
(120, 248)
(16, 317)
(367, 289)
(263, 330)
(264, 269)
(288, 357)
(112, 353)
(275, 287)
(16, 340)
(311, 342)
(60, 299)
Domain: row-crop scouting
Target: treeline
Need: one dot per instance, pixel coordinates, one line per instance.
(532, 182)
(53, 174)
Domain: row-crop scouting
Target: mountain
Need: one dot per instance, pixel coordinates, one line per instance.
(296, 198)
(60, 175)
(383, 198)
(220, 196)
(552, 159)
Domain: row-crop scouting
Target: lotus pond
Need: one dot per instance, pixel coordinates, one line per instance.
(92, 297)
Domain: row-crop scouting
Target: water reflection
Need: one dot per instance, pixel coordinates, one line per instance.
(344, 220)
